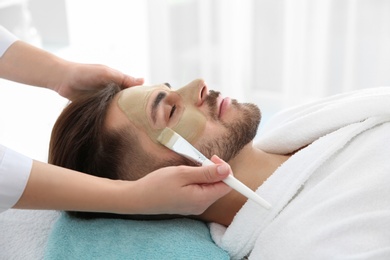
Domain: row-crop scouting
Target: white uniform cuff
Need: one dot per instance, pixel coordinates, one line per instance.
(15, 170)
(6, 39)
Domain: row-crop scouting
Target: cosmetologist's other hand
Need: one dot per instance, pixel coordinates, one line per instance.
(184, 190)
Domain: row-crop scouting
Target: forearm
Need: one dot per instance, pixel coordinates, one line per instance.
(173, 190)
(52, 187)
(27, 64)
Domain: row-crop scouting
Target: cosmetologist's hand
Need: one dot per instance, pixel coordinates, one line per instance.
(29, 65)
(184, 190)
(79, 78)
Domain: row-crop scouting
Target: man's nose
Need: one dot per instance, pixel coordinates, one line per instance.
(202, 91)
(195, 92)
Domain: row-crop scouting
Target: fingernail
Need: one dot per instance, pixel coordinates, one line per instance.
(139, 80)
(222, 169)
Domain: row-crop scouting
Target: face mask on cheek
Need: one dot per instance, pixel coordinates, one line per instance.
(191, 124)
(133, 102)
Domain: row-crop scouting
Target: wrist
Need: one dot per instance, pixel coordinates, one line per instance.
(127, 197)
(60, 75)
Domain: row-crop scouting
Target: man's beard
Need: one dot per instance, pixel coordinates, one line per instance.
(239, 133)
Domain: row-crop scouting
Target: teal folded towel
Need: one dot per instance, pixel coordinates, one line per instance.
(73, 238)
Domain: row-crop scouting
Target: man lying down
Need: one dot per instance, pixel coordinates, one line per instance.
(323, 166)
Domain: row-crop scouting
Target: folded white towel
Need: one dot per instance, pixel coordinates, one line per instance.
(296, 127)
(331, 199)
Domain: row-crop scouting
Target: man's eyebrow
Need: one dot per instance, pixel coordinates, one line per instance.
(160, 96)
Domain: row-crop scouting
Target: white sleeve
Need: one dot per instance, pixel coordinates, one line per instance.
(6, 39)
(15, 170)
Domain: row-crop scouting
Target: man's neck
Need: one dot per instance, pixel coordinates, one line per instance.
(252, 167)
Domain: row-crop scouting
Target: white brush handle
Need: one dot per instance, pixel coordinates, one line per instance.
(241, 188)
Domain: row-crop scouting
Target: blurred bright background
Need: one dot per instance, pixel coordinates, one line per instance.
(274, 53)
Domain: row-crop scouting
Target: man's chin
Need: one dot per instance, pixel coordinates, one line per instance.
(238, 134)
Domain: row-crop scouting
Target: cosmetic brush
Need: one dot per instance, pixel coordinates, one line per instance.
(178, 144)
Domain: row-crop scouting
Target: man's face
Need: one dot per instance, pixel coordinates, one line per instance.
(213, 124)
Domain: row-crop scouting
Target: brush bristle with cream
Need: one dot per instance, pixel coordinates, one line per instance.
(168, 137)
(178, 144)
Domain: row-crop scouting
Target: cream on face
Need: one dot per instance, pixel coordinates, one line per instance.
(136, 103)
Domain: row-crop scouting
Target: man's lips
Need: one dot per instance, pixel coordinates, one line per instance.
(223, 105)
